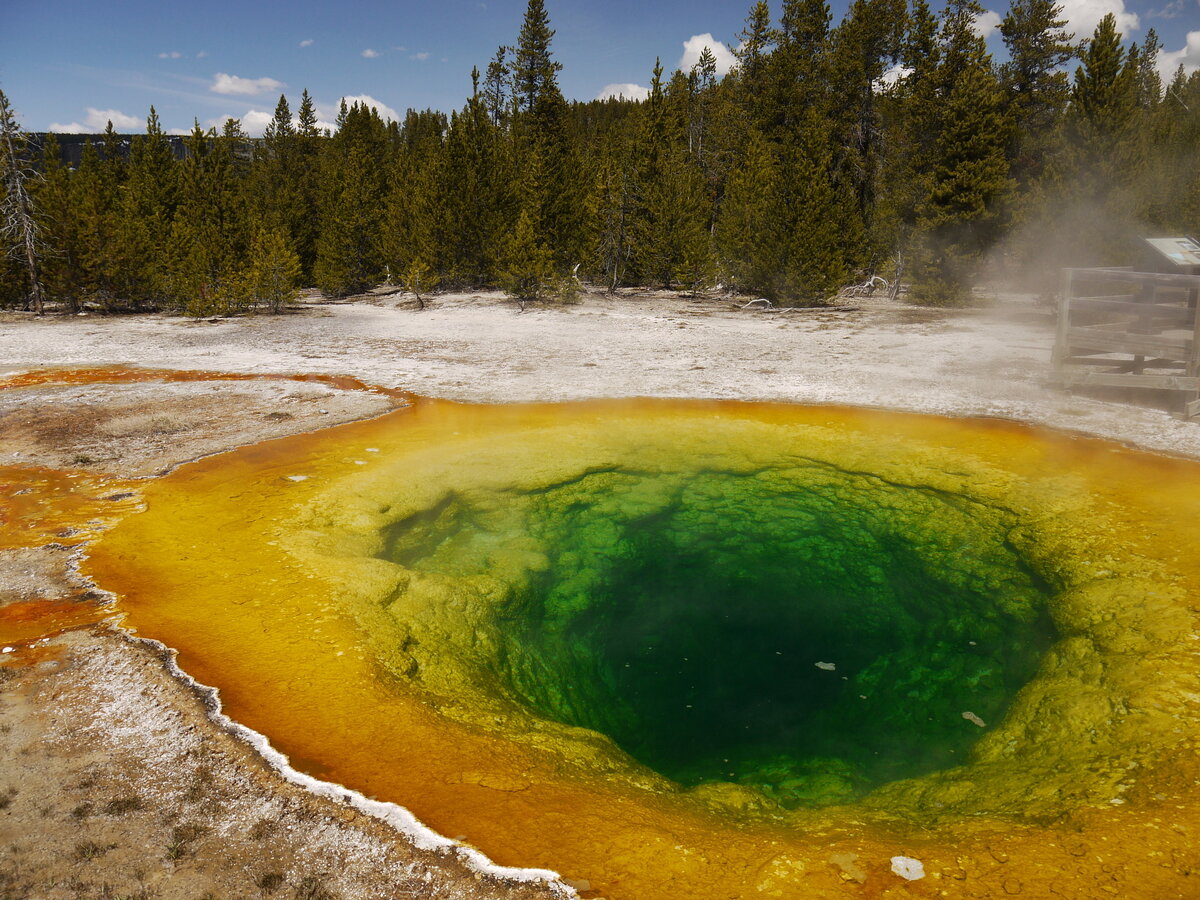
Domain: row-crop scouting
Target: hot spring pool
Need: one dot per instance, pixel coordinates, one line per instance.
(693, 648)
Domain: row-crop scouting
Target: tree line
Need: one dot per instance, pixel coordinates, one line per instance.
(889, 144)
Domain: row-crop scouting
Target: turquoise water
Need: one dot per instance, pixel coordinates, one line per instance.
(808, 632)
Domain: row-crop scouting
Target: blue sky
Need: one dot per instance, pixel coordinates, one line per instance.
(72, 64)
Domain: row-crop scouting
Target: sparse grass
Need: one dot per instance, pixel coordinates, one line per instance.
(312, 887)
(201, 782)
(261, 829)
(270, 882)
(82, 459)
(82, 811)
(182, 837)
(7, 797)
(89, 850)
(122, 805)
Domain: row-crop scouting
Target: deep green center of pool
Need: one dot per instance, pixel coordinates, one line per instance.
(806, 631)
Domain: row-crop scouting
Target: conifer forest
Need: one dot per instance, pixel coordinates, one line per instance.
(889, 144)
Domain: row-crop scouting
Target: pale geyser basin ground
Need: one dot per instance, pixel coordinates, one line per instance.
(266, 576)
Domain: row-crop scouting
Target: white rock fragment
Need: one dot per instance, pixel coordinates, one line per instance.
(974, 719)
(908, 868)
(828, 667)
(297, 478)
(372, 449)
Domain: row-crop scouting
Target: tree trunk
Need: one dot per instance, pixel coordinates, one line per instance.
(18, 222)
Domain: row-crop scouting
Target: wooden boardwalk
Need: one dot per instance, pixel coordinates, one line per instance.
(1121, 328)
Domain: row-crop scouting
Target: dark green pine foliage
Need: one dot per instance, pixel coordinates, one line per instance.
(148, 201)
(1096, 209)
(671, 212)
(1035, 83)
(816, 209)
(354, 178)
(278, 183)
(1103, 98)
(95, 203)
(412, 237)
(959, 219)
(205, 262)
(864, 47)
(59, 227)
(753, 53)
(271, 271)
(609, 206)
(306, 175)
(909, 106)
(526, 269)
(478, 193)
(1037, 92)
(545, 151)
(748, 235)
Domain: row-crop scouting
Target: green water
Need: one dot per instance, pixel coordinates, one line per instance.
(684, 616)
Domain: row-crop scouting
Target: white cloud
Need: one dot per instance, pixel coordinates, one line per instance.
(694, 46)
(307, 42)
(202, 54)
(1188, 57)
(1170, 11)
(987, 22)
(232, 84)
(174, 54)
(385, 112)
(892, 75)
(369, 53)
(253, 122)
(626, 91)
(99, 119)
(422, 56)
(1082, 16)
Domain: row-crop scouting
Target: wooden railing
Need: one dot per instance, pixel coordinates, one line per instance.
(1121, 328)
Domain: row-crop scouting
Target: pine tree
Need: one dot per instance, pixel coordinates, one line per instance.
(535, 72)
(797, 70)
(204, 258)
(477, 191)
(609, 208)
(93, 204)
(959, 217)
(748, 234)
(863, 47)
(527, 265)
(149, 198)
(58, 225)
(499, 92)
(99, 200)
(813, 218)
(1096, 209)
(1034, 32)
(757, 41)
(18, 219)
(672, 212)
(544, 149)
(354, 176)
(271, 272)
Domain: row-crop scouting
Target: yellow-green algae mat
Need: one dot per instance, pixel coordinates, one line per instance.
(448, 608)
